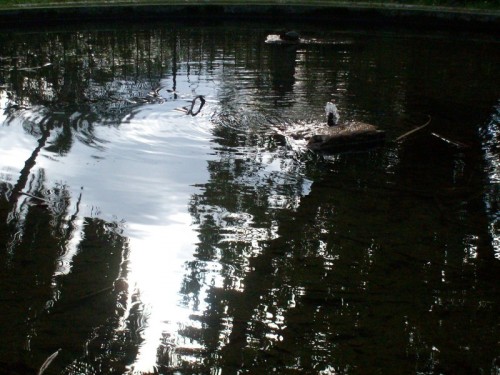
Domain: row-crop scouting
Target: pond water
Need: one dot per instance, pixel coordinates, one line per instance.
(136, 238)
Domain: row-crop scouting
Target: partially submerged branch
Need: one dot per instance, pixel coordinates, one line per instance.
(202, 103)
(451, 142)
(193, 102)
(48, 361)
(398, 139)
(41, 200)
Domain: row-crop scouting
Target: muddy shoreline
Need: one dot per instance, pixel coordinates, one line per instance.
(405, 16)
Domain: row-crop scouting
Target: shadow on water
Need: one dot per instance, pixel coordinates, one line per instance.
(384, 261)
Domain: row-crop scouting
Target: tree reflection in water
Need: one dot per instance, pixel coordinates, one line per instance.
(360, 263)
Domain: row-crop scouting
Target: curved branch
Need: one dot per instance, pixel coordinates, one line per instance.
(202, 100)
(414, 130)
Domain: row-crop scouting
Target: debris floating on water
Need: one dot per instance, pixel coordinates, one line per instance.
(48, 361)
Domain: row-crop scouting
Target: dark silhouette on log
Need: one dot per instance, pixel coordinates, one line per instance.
(290, 36)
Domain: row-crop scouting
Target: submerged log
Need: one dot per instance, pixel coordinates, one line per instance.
(355, 135)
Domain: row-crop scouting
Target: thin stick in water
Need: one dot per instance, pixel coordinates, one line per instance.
(48, 361)
(413, 131)
(449, 141)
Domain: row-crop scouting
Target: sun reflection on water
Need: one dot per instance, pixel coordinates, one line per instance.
(156, 272)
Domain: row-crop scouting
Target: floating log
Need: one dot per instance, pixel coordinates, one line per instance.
(355, 135)
(280, 40)
(319, 137)
(292, 39)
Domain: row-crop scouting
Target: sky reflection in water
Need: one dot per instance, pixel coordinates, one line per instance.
(143, 174)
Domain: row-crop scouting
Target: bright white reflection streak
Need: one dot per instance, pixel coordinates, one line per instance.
(143, 173)
(491, 135)
(156, 272)
(167, 153)
(15, 146)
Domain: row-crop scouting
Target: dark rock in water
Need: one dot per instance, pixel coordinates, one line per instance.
(290, 36)
(356, 135)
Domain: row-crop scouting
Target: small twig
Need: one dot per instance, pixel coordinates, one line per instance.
(34, 197)
(48, 361)
(439, 205)
(93, 294)
(451, 142)
(413, 131)
(358, 240)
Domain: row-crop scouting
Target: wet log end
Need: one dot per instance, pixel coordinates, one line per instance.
(346, 137)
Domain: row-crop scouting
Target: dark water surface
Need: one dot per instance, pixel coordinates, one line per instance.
(136, 238)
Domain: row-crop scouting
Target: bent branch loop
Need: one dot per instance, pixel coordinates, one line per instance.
(202, 103)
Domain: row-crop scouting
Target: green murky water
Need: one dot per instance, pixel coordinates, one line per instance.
(138, 239)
